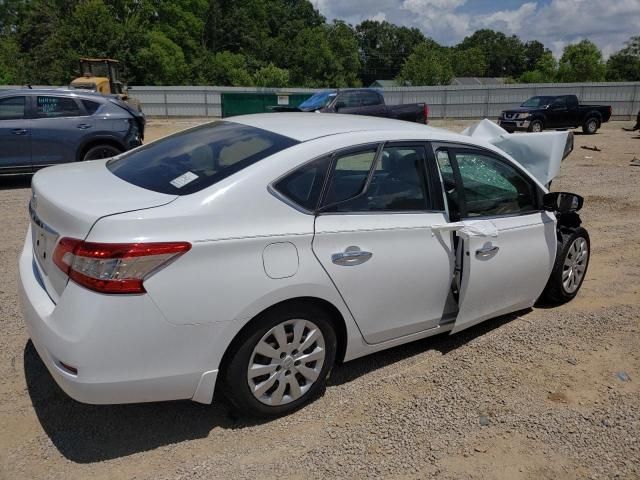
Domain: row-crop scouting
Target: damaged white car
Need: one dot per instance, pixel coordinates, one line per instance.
(249, 255)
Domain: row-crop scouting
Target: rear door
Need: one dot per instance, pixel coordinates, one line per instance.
(506, 242)
(375, 241)
(372, 104)
(60, 126)
(15, 138)
(557, 115)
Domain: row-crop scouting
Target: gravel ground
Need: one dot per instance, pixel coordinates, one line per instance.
(545, 393)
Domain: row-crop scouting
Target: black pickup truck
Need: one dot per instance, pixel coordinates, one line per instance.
(563, 111)
(360, 101)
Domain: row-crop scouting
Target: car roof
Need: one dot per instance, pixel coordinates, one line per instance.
(303, 126)
(71, 92)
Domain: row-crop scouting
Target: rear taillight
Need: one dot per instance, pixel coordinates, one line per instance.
(425, 112)
(114, 267)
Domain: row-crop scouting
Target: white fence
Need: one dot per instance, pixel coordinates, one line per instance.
(459, 101)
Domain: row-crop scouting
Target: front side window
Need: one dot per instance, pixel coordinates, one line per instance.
(348, 100)
(53, 107)
(394, 184)
(188, 161)
(492, 187)
(12, 108)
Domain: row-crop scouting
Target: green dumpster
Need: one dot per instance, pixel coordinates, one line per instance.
(244, 103)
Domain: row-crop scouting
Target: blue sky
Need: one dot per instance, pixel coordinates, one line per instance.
(556, 23)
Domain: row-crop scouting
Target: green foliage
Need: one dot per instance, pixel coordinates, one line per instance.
(384, 47)
(625, 64)
(224, 68)
(581, 62)
(470, 62)
(266, 42)
(427, 65)
(506, 56)
(271, 76)
(545, 70)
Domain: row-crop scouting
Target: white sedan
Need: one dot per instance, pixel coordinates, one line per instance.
(252, 254)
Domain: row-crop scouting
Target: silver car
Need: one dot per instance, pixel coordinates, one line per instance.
(41, 127)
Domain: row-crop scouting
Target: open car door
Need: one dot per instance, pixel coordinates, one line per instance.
(505, 241)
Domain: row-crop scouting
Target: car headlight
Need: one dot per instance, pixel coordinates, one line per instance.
(522, 116)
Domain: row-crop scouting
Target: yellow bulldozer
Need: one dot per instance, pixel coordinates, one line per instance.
(102, 75)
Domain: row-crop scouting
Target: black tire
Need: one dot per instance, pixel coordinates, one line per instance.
(103, 150)
(555, 292)
(537, 123)
(235, 383)
(591, 125)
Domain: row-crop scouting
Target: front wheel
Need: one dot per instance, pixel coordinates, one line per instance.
(536, 126)
(590, 126)
(570, 267)
(281, 362)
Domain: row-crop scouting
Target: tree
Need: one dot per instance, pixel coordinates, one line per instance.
(162, 61)
(271, 76)
(533, 53)
(625, 64)
(581, 62)
(506, 56)
(224, 68)
(470, 62)
(426, 66)
(545, 70)
(384, 47)
(325, 56)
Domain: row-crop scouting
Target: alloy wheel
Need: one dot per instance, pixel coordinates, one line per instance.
(575, 265)
(286, 362)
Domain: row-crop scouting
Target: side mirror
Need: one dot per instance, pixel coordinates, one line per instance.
(562, 202)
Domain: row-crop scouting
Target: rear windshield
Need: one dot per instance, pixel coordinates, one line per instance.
(189, 161)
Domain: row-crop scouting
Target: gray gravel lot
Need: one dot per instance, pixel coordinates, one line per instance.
(545, 393)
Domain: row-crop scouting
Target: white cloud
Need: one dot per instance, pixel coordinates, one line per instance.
(607, 23)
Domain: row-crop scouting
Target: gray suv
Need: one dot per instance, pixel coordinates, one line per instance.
(46, 127)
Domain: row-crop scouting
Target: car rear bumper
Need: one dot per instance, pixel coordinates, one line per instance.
(122, 347)
(514, 125)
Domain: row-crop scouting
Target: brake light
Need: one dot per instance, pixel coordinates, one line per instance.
(114, 267)
(425, 112)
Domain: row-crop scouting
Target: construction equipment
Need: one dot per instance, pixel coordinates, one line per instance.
(102, 75)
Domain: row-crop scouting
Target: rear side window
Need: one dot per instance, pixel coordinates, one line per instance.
(52, 107)
(90, 106)
(190, 161)
(12, 108)
(304, 185)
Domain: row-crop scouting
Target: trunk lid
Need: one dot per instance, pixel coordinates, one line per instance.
(67, 200)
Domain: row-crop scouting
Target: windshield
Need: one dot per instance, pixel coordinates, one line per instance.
(318, 100)
(537, 102)
(189, 161)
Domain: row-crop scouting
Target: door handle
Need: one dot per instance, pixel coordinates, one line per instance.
(487, 251)
(83, 126)
(351, 256)
(19, 131)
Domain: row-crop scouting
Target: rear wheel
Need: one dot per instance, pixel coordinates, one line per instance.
(535, 126)
(590, 126)
(101, 151)
(281, 361)
(570, 267)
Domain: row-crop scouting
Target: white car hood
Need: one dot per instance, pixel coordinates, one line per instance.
(540, 153)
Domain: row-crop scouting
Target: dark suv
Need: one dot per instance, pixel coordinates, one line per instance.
(47, 127)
